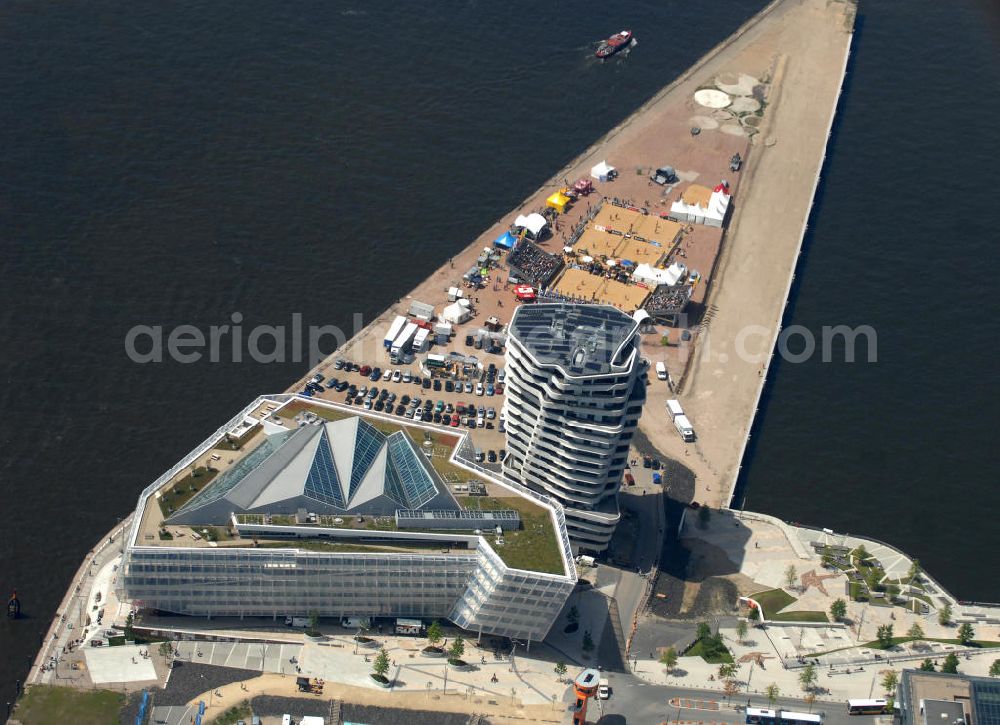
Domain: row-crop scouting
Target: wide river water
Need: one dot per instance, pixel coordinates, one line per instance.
(175, 163)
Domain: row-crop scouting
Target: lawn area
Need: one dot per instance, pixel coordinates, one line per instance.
(803, 616)
(45, 704)
(773, 601)
(534, 546)
(181, 492)
(698, 650)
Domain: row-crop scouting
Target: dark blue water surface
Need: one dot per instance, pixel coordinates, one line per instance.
(172, 163)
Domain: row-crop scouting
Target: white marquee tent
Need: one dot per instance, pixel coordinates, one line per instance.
(602, 171)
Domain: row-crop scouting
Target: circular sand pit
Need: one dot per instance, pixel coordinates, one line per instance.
(745, 104)
(751, 121)
(722, 115)
(704, 123)
(711, 98)
(741, 85)
(732, 129)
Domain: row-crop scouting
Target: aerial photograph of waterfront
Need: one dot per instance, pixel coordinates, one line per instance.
(482, 363)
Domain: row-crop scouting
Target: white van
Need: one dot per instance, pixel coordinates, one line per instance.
(674, 409)
(683, 426)
(661, 371)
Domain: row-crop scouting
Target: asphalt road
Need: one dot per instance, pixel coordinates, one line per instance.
(636, 701)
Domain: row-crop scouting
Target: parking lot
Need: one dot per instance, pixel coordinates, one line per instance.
(473, 404)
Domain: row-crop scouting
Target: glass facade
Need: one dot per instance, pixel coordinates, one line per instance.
(476, 590)
(473, 588)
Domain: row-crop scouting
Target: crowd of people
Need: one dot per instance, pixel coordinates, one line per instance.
(668, 299)
(531, 264)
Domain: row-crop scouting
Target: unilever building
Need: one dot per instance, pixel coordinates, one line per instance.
(300, 506)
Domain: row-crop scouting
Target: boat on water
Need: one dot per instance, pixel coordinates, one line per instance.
(618, 41)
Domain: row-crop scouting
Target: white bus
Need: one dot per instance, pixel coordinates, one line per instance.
(764, 716)
(878, 706)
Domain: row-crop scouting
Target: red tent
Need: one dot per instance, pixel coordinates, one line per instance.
(583, 187)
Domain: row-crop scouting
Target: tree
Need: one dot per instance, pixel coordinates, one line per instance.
(668, 658)
(810, 698)
(314, 620)
(838, 610)
(741, 630)
(891, 592)
(434, 633)
(790, 576)
(915, 570)
(727, 670)
(573, 615)
(772, 692)
(995, 669)
(129, 622)
(944, 614)
(381, 665)
(704, 517)
(927, 666)
(457, 648)
(889, 681)
(950, 664)
(560, 670)
(730, 688)
(861, 553)
(916, 631)
(704, 631)
(966, 633)
(828, 561)
(808, 677)
(588, 643)
(884, 636)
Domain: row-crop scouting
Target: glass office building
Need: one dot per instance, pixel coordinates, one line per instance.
(281, 566)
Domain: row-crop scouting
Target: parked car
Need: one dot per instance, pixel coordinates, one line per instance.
(365, 370)
(437, 385)
(405, 400)
(449, 387)
(376, 374)
(379, 405)
(479, 389)
(454, 422)
(396, 376)
(501, 376)
(468, 387)
(387, 376)
(446, 419)
(491, 413)
(339, 364)
(491, 456)
(426, 384)
(332, 383)
(318, 378)
(400, 410)
(490, 390)
(469, 340)
(407, 377)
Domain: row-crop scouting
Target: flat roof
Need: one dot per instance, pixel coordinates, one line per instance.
(534, 547)
(582, 339)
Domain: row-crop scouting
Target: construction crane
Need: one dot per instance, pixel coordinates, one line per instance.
(584, 687)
